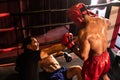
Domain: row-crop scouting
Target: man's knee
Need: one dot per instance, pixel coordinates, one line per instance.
(74, 70)
(77, 69)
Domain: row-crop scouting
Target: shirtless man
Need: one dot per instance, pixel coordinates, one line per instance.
(92, 41)
(50, 65)
(27, 62)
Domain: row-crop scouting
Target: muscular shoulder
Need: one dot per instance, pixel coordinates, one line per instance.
(83, 34)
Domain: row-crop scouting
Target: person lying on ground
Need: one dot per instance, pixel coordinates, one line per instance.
(27, 62)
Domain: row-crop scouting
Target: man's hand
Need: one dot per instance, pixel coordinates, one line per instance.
(67, 57)
(67, 40)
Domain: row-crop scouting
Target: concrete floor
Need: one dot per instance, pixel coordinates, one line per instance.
(8, 72)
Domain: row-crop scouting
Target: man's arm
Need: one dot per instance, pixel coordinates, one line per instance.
(84, 50)
(52, 50)
(57, 54)
(84, 45)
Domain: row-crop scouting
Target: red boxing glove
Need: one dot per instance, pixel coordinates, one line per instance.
(67, 40)
(76, 12)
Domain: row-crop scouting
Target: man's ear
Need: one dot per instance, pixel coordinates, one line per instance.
(87, 18)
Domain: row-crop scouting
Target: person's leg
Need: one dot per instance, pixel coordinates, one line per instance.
(72, 71)
(59, 74)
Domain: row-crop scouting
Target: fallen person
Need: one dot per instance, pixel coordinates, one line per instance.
(27, 62)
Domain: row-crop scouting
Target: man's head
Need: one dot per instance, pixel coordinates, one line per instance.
(76, 14)
(30, 43)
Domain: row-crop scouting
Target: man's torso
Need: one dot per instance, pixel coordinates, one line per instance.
(49, 64)
(96, 34)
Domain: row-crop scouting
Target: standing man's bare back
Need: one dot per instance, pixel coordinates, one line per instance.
(93, 37)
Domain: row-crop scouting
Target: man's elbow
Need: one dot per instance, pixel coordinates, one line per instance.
(84, 58)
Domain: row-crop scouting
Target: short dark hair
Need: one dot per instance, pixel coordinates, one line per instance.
(26, 41)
